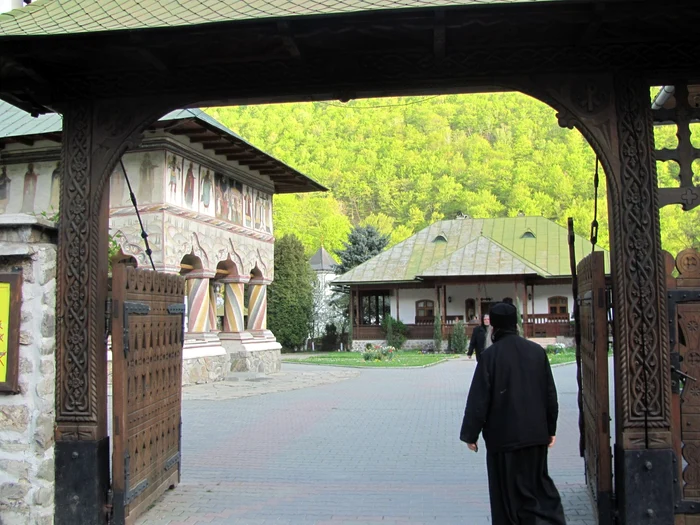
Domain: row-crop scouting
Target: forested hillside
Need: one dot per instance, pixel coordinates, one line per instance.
(402, 163)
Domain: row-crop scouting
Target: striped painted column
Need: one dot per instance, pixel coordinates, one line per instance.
(198, 300)
(213, 325)
(257, 306)
(233, 304)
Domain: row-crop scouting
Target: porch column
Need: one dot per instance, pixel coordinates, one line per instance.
(213, 288)
(198, 301)
(257, 305)
(95, 135)
(233, 304)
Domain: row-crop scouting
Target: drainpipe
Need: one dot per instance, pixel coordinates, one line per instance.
(662, 96)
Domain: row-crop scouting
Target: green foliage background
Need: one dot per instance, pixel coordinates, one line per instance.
(290, 296)
(400, 164)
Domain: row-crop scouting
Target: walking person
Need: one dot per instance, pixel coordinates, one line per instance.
(513, 401)
(481, 338)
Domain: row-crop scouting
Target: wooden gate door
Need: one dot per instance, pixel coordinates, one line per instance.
(684, 323)
(147, 338)
(595, 406)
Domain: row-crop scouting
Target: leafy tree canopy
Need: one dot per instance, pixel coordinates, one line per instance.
(400, 164)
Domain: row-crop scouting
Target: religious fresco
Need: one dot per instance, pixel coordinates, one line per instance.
(174, 178)
(127, 232)
(27, 188)
(145, 171)
(206, 192)
(156, 177)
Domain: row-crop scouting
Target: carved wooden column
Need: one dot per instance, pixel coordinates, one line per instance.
(233, 304)
(643, 453)
(95, 134)
(198, 301)
(257, 305)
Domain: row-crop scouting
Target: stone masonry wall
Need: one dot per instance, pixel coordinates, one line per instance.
(258, 361)
(27, 419)
(204, 369)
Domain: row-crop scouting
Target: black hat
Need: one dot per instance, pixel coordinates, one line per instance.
(504, 316)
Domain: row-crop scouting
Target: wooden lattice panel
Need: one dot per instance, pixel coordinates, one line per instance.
(147, 340)
(592, 301)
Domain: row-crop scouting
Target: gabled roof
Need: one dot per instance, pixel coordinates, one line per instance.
(58, 17)
(480, 257)
(321, 261)
(475, 247)
(19, 126)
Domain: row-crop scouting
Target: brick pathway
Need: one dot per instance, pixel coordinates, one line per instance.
(378, 448)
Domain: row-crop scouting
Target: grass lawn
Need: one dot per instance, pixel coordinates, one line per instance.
(403, 359)
(562, 357)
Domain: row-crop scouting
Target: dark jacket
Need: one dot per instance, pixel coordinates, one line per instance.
(478, 341)
(512, 398)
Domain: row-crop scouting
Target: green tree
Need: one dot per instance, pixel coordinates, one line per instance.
(364, 242)
(290, 296)
(459, 338)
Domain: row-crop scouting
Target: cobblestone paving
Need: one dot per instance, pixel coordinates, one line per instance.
(377, 448)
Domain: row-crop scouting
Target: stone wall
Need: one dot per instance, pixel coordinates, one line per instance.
(258, 361)
(27, 419)
(204, 369)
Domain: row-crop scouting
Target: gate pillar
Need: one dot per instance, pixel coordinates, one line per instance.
(614, 114)
(257, 305)
(213, 289)
(233, 304)
(198, 301)
(95, 135)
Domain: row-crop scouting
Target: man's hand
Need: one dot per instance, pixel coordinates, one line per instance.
(552, 440)
(473, 447)
(469, 356)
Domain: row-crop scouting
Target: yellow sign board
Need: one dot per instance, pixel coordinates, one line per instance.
(4, 325)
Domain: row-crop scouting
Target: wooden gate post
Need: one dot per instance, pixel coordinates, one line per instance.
(614, 115)
(95, 135)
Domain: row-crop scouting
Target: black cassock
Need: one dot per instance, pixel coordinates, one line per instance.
(513, 402)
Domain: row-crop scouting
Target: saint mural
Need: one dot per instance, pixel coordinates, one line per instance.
(248, 205)
(4, 189)
(146, 179)
(189, 186)
(236, 195)
(207, 188)
(30, 179)
(117, 180)
(55, 187)
(174, 174)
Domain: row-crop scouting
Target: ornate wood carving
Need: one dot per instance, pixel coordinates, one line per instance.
(95, 135)
(684, 154)
(638, 276)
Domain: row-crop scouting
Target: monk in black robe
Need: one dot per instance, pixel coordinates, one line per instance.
(513, 401)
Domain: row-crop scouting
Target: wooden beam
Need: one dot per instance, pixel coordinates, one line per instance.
(23, 140)
(213, 145)
(439, 35)
(274, 171)
(241, 158)
(202, 138)
(288, 40)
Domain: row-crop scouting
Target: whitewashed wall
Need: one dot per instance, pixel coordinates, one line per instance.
(544, 292)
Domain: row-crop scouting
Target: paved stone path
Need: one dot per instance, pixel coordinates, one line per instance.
(379, 447)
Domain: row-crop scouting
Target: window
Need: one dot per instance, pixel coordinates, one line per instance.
(470, 308)
(425, 309)
(374, 306)
(528, 235)
(558, 305)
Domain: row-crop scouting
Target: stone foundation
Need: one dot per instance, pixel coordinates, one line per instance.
(27, 419)
(256, 352)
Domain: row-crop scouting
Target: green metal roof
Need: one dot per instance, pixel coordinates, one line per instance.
(60, 17)
(474, 247)
(15, 122)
